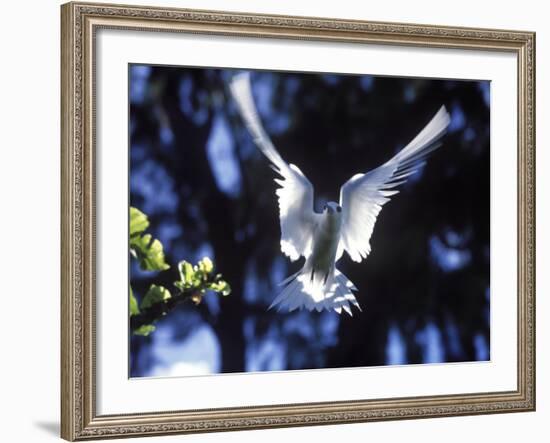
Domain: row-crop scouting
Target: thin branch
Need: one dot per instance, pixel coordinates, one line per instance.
(158, 310)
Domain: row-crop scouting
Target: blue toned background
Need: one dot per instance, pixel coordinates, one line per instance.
(424, 289)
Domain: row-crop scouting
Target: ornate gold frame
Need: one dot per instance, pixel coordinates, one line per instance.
(79, 21)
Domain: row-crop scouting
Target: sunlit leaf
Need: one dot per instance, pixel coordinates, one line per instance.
(187, 274)
(155, 294)
(138, 222)
(134, 309)
(221, 286)
(206, 265)
(149, 252)
(144, 330)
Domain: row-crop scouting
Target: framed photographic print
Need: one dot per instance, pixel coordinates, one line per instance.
(281, 221)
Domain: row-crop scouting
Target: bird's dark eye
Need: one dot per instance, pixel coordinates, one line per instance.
(325, 208)
(339, 208)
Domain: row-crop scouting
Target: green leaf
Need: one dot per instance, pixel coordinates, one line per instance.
(138, 222)
(187, 275)
(206, 266)
(155, 294)
(149, 252)
(220, 286)
(144, 330)
(134, 309)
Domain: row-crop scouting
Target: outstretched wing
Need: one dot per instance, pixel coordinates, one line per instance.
(296, 213)
(363, 196)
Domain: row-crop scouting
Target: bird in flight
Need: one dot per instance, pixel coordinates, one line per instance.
(347, 225)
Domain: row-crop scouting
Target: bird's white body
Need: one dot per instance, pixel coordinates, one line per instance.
(345, 226)
(325, 243)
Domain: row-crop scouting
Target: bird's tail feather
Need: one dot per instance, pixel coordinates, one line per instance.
(301, 291)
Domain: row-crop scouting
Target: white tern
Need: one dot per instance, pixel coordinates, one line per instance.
(322, 238)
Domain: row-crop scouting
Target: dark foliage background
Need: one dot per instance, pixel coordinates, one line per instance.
(208, 191)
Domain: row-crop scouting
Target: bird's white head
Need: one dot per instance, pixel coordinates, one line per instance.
(332, 208)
